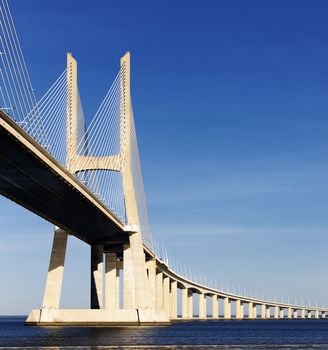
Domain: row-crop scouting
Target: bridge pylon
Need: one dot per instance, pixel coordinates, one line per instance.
(108, 259)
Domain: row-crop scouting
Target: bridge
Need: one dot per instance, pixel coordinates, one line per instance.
(87, 181)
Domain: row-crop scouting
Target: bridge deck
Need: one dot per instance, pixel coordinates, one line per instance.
(32, 178)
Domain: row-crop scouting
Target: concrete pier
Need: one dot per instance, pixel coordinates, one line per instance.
(227, 308)
(215, 307)
(166, 295)
(159, 290)
(239, 309)
(54, 281)
(110, 281)
(190, 305)
(174, 300)
(184, 306)
(202, 306)
(276, 312)
(97, 261)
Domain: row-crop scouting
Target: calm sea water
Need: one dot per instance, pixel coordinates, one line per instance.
(252, 334)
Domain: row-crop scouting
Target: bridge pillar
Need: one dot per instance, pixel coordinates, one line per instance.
(263, 311)
(159, 290)
(303, 313)
(174, 300)
(215, 307)
(137, 280)
(190, 304)
(289, 312)
(316, 314)
(239, 309)
(128, 278)
(184, 303)
(54, 282)
(97, 260)
(254, 310)
(268, 312)
(117, 287)
(276, 312)
(202, 307)
(227, 308)
(295, 313)
(281, 313)
(309, 314)
(110, 281)
(151, 267)
(166, 295)
(250, 310)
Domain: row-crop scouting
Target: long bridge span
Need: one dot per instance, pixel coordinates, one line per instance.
(87, 181)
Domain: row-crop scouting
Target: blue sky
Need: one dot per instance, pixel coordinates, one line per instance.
(230, 102)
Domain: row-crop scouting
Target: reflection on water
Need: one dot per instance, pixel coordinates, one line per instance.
(252, 335)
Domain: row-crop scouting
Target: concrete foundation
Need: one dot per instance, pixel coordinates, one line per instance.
(58, 317)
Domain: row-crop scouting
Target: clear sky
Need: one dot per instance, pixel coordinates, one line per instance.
(230, 102)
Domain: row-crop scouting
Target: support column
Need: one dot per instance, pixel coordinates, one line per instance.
(227, 308)
(184, 306)
(151, 267)
(316, 314)
(215, 307)
(289, 312)
(254, 311)
(117, 288)
(263, 311)
(323, 314)
(250, 310)
(174, 300)
(128, 279)
(309, 314)
(54, 282)
(97, 261)
(276, 312)
(166, 295)
(281, 313)
(303, 313)
(159, 290)
(110, 281)
(295, 313)
(190, 304)
(239, 309)
(268, 312)
(202, 307)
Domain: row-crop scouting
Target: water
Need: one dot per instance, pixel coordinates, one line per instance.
(251, 334)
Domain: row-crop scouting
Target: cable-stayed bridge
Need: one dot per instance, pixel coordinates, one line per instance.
(87, 181)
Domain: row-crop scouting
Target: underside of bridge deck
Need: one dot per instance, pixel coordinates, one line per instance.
(28, 181)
